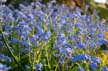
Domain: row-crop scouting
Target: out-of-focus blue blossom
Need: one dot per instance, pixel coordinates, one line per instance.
(78, 12)
(27, 66)
(61, 39)
(61, 35)
(100, 42)
(92, 28)
(14, 40)
(83, 31)
(80, 57)
(37, 35)
(93, 66)
(20, 15)
(54, 14)
(33, 40)
(104, 68)
(39, 29)
(103, 21)
(80, 69)
(62, 59)
(9, 18)
(39, 66)
(4, 67)
(67, 51)
(30, 16)
(24, 34)
(46, 35)
(63, 20)
(25, 43)
(80, 45)
(100, 35)
(7, 27)
(96, 60)
(78, 25)
(75, 14)
(26, 28)
(56, 55)
(87, 7)
(73, 38)
(5, 58)
(68, 45)
(92, 45)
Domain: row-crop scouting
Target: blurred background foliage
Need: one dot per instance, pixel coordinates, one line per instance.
(102, 8)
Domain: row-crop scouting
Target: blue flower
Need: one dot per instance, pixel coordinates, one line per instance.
(39, 66)
(100, 42)
(80, 69)
(104, 68)
(93, 67)
(26, 28)
(61, 39)
(25, 43)
(81, 57)
(27, 66)
(62, 59)
(73, 38)
(96, 60)
(92, 45)
(14, 40)
(39, 29)
(63, 20)
(4, 67)
(5, 58)
(80, 45)
(24, 34)
(7, 28)
(67, 51)
(33, 40)
(68, 45)
(100, 35)
(46, 35)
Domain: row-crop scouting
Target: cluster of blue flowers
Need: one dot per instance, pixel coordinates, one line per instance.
(29, 27)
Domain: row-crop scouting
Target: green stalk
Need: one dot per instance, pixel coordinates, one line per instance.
(56, 66)
(30, 59)
(47, 55)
